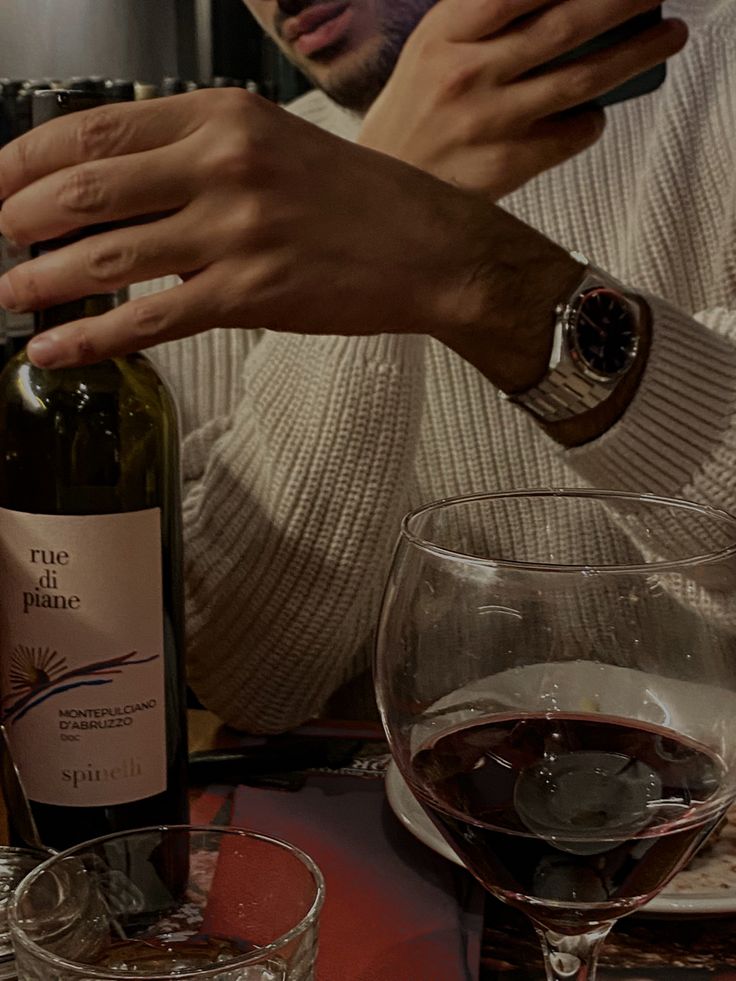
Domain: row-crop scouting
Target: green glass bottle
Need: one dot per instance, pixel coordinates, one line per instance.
(16, 98)
(91, 611)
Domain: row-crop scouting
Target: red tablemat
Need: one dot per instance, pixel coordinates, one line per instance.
(394, 910)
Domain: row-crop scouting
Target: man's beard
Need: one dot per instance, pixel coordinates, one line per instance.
(358, 87)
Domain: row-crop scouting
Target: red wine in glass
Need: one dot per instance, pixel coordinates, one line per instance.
(571, 818)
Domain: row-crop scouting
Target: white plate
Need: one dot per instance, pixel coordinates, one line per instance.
(682, 897)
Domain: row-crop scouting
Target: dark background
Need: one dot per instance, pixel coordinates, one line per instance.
(240, 50)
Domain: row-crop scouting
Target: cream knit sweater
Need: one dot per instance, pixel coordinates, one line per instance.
(302, 453)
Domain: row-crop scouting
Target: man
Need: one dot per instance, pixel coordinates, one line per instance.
(303, 450)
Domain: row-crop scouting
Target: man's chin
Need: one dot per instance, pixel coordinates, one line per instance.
(347, 77)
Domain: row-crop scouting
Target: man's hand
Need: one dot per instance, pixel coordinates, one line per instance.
(468, 103)
(274, 224)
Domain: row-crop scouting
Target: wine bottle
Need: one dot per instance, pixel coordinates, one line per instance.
(90, 84)
(119, 90)
(224, 82)
(16, 327)
(8, 91)
(91, 612)
(145, 91)
(173, 86)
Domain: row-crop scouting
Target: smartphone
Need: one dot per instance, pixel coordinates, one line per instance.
(648, 81)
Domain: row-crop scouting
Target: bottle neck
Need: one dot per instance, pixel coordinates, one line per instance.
(90, 306)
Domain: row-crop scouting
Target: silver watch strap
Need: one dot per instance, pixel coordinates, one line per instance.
(562, 394)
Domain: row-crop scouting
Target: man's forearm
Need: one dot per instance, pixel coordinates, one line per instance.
(506, 316)
(507, 330)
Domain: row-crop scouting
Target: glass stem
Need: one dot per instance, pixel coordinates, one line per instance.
(572, 958)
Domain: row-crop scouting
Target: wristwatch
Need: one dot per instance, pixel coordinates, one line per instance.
(598, 339)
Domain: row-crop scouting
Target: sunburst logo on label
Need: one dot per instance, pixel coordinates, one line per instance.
(32, 668)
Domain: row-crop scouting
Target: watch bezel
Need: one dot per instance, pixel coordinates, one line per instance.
(570, 317)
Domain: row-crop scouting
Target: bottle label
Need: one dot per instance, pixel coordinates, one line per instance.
(82, 655)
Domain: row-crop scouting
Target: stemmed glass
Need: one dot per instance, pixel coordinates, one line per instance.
(556, 672)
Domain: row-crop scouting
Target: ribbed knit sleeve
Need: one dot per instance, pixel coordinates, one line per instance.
(662, 217)
(293, 505)
(678, 437)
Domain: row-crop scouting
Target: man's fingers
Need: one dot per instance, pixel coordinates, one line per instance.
(557, 138)
(472, 20)
(105, 263)
(108, 131)
(579, 81)
(561, 28)
(95, 192)
(501, 167)
(134, 326)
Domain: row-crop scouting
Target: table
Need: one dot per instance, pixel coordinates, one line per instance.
(639, 949)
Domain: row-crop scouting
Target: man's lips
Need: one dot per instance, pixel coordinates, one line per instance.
(317, 27)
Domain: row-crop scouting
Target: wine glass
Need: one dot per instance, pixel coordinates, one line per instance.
(556, 673)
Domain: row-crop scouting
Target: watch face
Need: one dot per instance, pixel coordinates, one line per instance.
(605, 332)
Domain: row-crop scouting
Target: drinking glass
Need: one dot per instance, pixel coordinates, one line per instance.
(556, 674)
(196, 904)
(15, 864)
